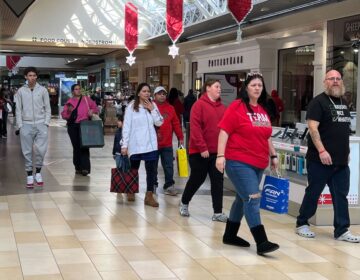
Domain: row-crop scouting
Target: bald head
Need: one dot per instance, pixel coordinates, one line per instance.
(333, 84)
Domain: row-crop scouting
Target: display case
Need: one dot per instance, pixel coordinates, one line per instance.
(158, 76)
(292, 163)
(291, 153)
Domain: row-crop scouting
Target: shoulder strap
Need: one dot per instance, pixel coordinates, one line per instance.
(77, 106)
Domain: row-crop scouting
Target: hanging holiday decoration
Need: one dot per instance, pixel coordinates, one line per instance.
(239, 10)
(11, 62)
(131, 31)
(174, 23)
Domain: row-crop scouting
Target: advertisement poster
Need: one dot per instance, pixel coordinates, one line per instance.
(65, 90)
(229, 86)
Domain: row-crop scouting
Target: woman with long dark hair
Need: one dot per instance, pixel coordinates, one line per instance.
(85, 108)
(245, 144)
(139, 140)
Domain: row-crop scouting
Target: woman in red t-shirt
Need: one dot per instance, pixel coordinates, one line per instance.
(244, 141)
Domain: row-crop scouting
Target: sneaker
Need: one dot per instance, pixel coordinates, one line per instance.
(349, 237)
(305, 231)
(39, 180)
(4, 136)
(184, 210)
(219, 217)
(30, 182)
(171, 191)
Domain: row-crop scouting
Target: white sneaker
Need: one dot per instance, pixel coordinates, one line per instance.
(219, 217)
(39, 180)
(349, 237)
(30, 181)
(171, 191)
(184, 210)
(305, 231)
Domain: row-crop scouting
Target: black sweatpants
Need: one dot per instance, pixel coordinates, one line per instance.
(81, 156)
(200, 167)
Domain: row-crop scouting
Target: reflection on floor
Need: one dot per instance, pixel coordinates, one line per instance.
(75, 228)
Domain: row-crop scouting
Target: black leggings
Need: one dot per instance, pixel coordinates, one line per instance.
(81, 156)
(200, 167)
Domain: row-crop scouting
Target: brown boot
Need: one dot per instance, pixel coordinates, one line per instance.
(150, 200)
(130, 196)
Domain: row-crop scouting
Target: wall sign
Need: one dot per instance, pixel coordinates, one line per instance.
(352, 30)
(225, 61)
(72, 41)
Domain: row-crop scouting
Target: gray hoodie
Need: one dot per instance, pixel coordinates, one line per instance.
(32, 106)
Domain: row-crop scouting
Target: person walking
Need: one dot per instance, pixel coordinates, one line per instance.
(139, 138)
(33, 114)
(5, 102)
(165, 133)
(174, 100)
(245, 144)
(204, 118)
(84, 107)
(189, 101)
(328, 119)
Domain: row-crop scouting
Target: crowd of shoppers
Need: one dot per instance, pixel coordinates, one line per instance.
(235, 140)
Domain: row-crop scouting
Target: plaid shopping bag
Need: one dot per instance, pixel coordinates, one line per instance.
(124, 181)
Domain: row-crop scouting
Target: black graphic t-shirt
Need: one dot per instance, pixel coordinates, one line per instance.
(334, 117)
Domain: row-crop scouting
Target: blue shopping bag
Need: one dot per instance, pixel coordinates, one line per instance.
(275, 195)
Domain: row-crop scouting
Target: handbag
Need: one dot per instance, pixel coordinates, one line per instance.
(275, 194)
(91, 134)
(124, 181)
(73, 115)
(182, 162)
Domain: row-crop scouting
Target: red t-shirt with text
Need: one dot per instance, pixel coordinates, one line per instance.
(248, 134)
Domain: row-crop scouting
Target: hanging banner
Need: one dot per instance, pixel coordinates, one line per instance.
(174, 23)
(12, 61)
(239, 10)
(131, 31)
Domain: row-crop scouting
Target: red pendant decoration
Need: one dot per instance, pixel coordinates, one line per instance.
(239, 10)
(174, 23)
(131, 31)
(11, 62)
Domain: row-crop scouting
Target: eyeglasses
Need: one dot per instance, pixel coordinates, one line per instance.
(161, 93)
(76, 88)
(338, 79)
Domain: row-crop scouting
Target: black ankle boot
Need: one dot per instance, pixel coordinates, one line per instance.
(262, 243)
(230, 235)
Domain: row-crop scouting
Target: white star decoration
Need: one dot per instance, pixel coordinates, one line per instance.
(130, 59)
(173, 51)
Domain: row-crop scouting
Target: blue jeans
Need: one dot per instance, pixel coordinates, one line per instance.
(338, 180)
(167, 162)
(246, 180)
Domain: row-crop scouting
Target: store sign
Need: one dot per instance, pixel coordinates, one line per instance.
(225, 61)
(352, 30)
(71, 41)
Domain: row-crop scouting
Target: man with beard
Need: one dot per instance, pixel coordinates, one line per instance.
(328, 119)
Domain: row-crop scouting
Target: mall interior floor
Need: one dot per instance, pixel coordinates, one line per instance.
(74, 228)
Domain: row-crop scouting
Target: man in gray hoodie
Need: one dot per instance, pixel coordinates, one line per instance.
(33, 115)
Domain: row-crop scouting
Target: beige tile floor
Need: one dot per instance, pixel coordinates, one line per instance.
(74, 228)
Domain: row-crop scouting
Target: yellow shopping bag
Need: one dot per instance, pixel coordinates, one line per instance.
(182, 162)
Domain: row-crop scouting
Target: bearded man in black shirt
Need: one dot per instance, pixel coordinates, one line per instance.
(328, 119)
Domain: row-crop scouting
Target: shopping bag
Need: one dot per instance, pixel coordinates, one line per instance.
(275, 194)
(124, 181)
(92, 134)
(182, 162)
